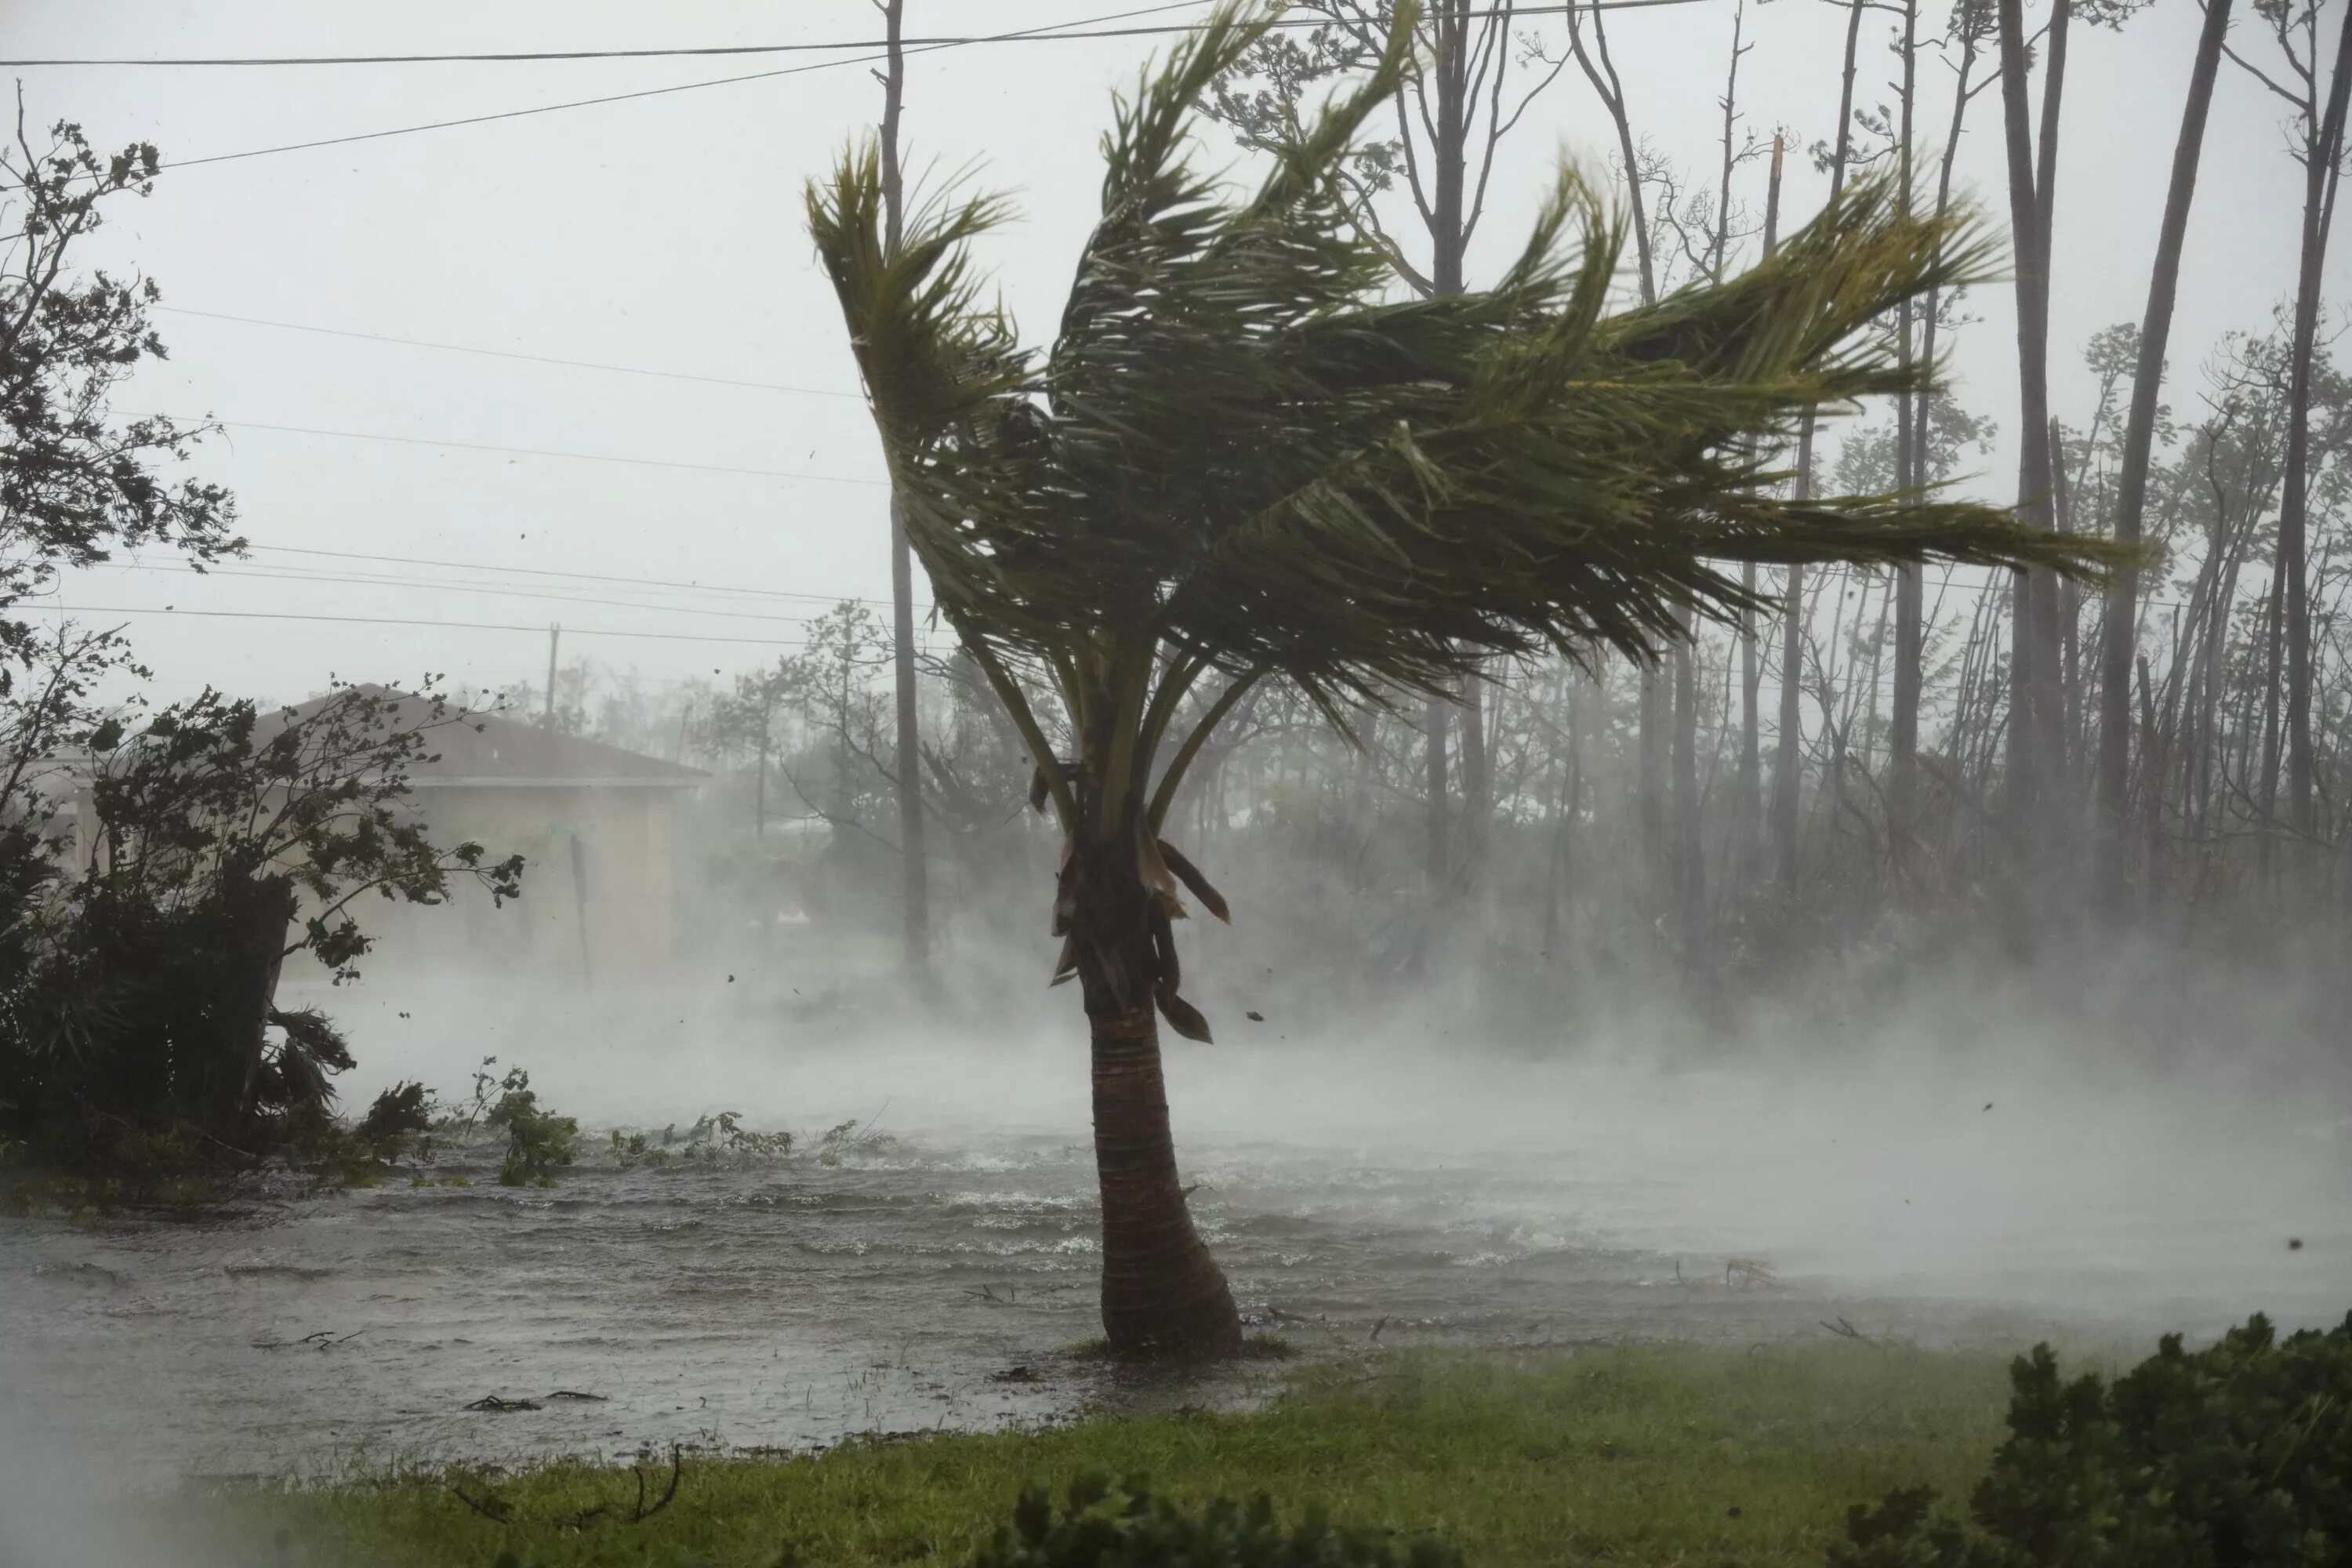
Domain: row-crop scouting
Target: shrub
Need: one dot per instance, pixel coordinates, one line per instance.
(539, 1141)
(1135, 1530)
(714, 1138)
(2237, 1455)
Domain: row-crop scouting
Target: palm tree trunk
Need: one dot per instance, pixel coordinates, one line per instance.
(1162, 1292)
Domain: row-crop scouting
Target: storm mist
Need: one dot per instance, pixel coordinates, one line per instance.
(725, 852)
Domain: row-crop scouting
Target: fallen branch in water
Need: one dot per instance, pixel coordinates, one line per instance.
(1847, 1331)
(325, 1339)
(573, 1394)
(492, 1402)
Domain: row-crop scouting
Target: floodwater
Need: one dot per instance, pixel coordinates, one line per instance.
(932, 1273)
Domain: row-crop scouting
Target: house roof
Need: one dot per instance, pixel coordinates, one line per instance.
(485, 749)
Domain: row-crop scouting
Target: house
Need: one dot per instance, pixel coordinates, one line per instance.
(595, 825)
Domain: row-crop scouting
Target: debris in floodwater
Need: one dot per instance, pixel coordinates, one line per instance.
(573, 1394)
(1017, 1374)
(324, 1340)
(2295, 1244)
(492, 1402)
(1254, 1017)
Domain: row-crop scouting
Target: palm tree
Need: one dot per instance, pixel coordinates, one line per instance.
(1243, 459)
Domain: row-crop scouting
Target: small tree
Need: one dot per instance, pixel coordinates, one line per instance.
(225, 841)
(75, 482)
(1243, 460)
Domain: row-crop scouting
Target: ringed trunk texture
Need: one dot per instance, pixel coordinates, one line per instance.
(1162, 1292)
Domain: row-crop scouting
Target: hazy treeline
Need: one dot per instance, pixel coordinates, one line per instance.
(1869, 763)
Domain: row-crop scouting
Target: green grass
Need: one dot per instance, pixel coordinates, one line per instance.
(1640, 1456)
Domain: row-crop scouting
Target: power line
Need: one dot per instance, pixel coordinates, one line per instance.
(510, 353)
(403, 621)
(551, 572)
(624, 96)
(298, 575)
(1047, 34)
(529, 451)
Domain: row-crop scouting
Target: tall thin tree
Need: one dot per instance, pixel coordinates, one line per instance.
(1903, 729)
(2118, 638)
(1789, 760)
(914, 873)
(2033, 664)
(2319, 137)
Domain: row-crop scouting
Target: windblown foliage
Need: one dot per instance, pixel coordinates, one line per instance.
(1243, 454)
(1240, 445)
(2237, 1455)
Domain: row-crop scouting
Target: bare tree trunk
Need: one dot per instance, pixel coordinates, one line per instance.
(2117, 645)
(1449, 151)
(1748, 806)
(1689, 861)
(1435, 721)
(2318, 210)
(1903, 733)
(1786, 779)
(2034, 663)
(914, 890)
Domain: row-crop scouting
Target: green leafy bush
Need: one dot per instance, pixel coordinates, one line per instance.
(1135, 1530)
(718, 1137)
(2233, 1457)
(539, 1141)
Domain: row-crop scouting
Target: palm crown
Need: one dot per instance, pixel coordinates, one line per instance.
(1244, 453)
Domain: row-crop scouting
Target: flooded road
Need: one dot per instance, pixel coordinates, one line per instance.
(936, 1272)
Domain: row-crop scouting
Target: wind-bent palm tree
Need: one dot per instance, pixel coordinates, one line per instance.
(1243, 460)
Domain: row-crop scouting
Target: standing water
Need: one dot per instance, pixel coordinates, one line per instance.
(930, 1266)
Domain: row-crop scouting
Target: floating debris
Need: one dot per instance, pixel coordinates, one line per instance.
(493, 1403)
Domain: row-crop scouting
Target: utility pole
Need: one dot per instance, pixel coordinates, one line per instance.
(914, 887)
(547, 711)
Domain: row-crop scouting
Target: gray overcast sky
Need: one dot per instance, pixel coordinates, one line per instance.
(665, 233)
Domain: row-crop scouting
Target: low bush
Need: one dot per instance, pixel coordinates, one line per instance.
(2239, 1456)
(539, 1141)
(1132, 1528)
(714, 1138)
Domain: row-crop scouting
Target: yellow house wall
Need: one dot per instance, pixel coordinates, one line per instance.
(622, 897)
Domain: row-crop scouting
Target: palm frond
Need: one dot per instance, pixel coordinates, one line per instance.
(1243, 443)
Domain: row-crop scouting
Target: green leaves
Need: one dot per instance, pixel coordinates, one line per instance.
(2238, 1454)
(1241, 442)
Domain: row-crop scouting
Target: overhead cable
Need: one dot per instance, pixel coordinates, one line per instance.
(403, 621)
(530, 451)
(551, 572)
(509, 353)
(1049, 33)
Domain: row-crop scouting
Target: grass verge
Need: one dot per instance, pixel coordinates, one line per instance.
(1650, 1455)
